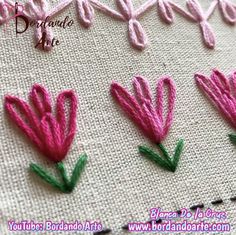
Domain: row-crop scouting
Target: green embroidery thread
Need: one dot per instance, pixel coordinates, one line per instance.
(166, 162)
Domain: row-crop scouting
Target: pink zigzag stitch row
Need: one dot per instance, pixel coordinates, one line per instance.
(39, 10)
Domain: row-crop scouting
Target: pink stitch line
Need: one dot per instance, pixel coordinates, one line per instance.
(221, 91)
(141, 109)
(6, 11)
(52, 136)
(38, 9)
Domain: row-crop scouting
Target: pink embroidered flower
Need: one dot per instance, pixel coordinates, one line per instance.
(148, 115)
(51, 134)
(221, 91)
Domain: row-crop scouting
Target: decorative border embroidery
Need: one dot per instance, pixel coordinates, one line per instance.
(193, 208)
(221, 91)
(39, 10)
(51, 135)
(149, 117)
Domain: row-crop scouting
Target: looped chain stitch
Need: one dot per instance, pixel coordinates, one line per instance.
(39, 10)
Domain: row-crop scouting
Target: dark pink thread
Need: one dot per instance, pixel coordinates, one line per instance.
(52, 135)
(146, 114)
(221, 91)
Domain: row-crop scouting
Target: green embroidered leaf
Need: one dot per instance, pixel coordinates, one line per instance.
(46, 176)
(232, 138)
(165, 153)
(165, 161)
(62, 170)
(155, 157)
(77, 171)
(178, 151)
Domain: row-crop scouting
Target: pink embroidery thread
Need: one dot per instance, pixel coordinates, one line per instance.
(38, 9)
(221, 91)
(52, 135)
(149, 116)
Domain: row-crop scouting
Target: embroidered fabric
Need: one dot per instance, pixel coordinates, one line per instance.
(39, 10)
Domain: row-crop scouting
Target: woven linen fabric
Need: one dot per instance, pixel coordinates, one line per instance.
(118, 184)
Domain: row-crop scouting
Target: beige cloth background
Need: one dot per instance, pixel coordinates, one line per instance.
(118, 185)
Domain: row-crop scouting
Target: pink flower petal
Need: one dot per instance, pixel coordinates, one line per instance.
(23, 116)
(40, 99)
(171, 102)
(67, 125)
(142, 89)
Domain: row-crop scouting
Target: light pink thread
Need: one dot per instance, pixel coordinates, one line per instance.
(126, 12)
(228, 11)
(85, 12)
(201, 18)
(52, 136)
(137, 35)
(221, 91)
(165, 11)
(38, 10)
(148, 116)
(7, 11)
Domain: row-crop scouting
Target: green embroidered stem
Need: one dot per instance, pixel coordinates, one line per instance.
(149, 153)
(67, 185)
(165, 153)
(232, 138)
(61, 168)
(165, 161)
